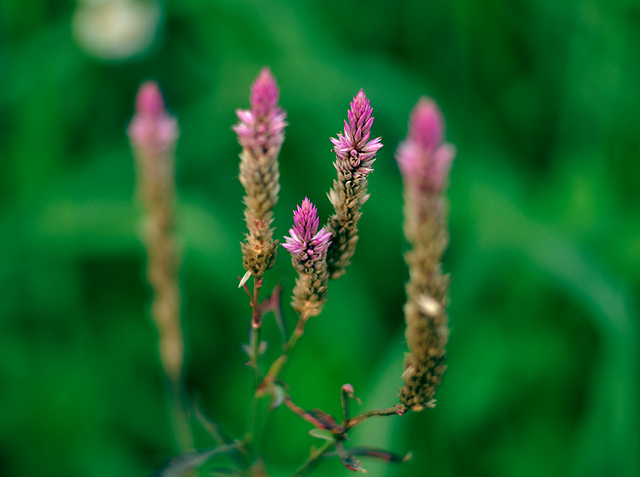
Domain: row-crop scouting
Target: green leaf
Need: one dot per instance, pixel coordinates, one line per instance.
(325, 434)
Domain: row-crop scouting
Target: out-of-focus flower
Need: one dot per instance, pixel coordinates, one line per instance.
(116, 29)
(152, 129)
(425, 162)
(422, 157)
(355, 154)
(153, 134)
(261, 134)
(308, 247)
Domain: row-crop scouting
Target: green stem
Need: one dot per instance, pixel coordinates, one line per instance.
(278, 364)
(256, 334)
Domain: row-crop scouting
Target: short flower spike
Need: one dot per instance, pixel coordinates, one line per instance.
(308, 247)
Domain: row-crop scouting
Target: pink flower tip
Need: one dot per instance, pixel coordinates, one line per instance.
(423, 158)
(152, 129)
(354, 149)
(261, 128)
(305, 237)
(149, 101)
(264, 93)
(426, 124)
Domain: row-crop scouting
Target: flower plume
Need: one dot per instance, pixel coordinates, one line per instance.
(153, 134)
(355, 154)
(260, 132)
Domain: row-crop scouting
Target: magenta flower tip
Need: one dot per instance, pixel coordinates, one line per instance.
(261, 128)
(152, 129)
(423, 158)
(426, 124)
(305, 237)
(354, 149)
(149, 100)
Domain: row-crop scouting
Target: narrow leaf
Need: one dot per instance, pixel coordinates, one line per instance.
(209, 425)
(328, 420)
(183, 464)
(274, 304)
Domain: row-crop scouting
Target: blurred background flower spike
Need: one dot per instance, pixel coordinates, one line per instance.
(425, 162)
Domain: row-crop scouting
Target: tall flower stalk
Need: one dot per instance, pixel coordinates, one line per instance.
(153, 134)
(355, 155)
(424, 162)
(260, 133)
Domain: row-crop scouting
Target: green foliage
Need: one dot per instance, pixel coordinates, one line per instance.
(541, 99)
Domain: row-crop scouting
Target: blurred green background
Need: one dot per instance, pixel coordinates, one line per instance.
(542, 101)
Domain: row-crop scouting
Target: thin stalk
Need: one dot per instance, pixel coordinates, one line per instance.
(278, 364)
(313, 459)
(399, 409)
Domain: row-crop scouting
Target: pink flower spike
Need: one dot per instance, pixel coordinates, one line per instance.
(423, 158)
(308, 248)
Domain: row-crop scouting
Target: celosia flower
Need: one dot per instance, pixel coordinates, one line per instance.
(260, 133)
(153, 134)
(308, 247)
(355, 155)
(425, 162)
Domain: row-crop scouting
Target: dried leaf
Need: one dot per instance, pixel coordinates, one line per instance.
(348, 460)
(379, 454)
(327, 420)
(243, 281)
